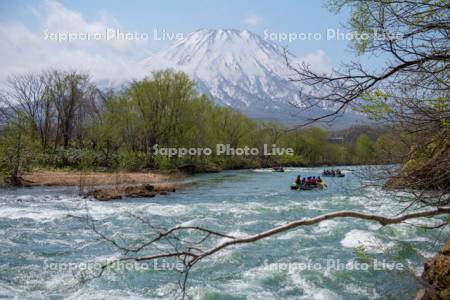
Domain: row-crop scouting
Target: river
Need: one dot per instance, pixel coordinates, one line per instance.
(45, 242)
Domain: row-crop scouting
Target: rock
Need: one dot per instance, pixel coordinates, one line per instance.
(210, 168)
(420, 295)
(26, 198)
(202, 168)
(142, 195)
(446, 249)
(140, 191)
(149, 187)
(188, 168)
(105, 194)
(17, 181)
(132, 191)
(436, 275)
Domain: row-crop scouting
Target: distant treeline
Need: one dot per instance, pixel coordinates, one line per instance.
(60, 119)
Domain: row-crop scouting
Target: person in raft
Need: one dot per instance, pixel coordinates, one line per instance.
(319, 180)
(298, 181)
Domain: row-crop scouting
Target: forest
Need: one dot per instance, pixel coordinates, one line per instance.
(63, 120)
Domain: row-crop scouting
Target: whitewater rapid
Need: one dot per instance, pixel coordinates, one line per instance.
(45, 227)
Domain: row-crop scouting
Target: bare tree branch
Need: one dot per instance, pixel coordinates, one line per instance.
(191, 252)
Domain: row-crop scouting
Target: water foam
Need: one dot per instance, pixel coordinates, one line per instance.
(361, 238)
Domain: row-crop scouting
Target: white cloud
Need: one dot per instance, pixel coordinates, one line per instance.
(317, 60)
(253, 20)
(26, 50)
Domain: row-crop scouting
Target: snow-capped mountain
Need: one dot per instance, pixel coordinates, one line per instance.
(238, 69)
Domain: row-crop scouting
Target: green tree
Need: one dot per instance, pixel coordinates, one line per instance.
(18, 149)
(313, 145)
(364, 148)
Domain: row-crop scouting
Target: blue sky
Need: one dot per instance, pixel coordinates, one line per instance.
(22, 24)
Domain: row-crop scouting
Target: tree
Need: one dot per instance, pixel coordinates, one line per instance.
(73, 96)
(410, 91)
(391, 148)
(17, 149)
(235, 127)
(414, 42)
(314, 145)
(27, 95)
(364, 148)
(160, 102)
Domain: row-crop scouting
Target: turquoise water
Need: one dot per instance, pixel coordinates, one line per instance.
(43, 230)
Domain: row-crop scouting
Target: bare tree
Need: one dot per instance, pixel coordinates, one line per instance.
(27, 95)
(72, 95)
(57, 103)
(410, 91)
(413, 36)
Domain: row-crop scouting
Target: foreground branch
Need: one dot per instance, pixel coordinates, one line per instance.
(190, 252)
(339, 214)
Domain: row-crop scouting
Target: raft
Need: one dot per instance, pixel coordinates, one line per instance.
(319, 186)
(337, 175)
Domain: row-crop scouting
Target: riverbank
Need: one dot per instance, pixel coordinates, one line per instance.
(436, 276)
(96, 178)
(75, 178)
(105, 186)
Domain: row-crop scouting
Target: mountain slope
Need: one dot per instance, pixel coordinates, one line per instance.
(238, 69)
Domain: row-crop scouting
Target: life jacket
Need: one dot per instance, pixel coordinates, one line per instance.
(313, 181)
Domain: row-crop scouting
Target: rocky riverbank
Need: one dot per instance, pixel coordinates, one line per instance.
(133, 191)
(427, 169)
(436, 277)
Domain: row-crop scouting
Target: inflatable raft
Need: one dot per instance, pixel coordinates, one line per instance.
(330, 175)
(319, 186)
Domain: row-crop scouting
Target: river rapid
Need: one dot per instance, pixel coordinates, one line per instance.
(46, 243)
